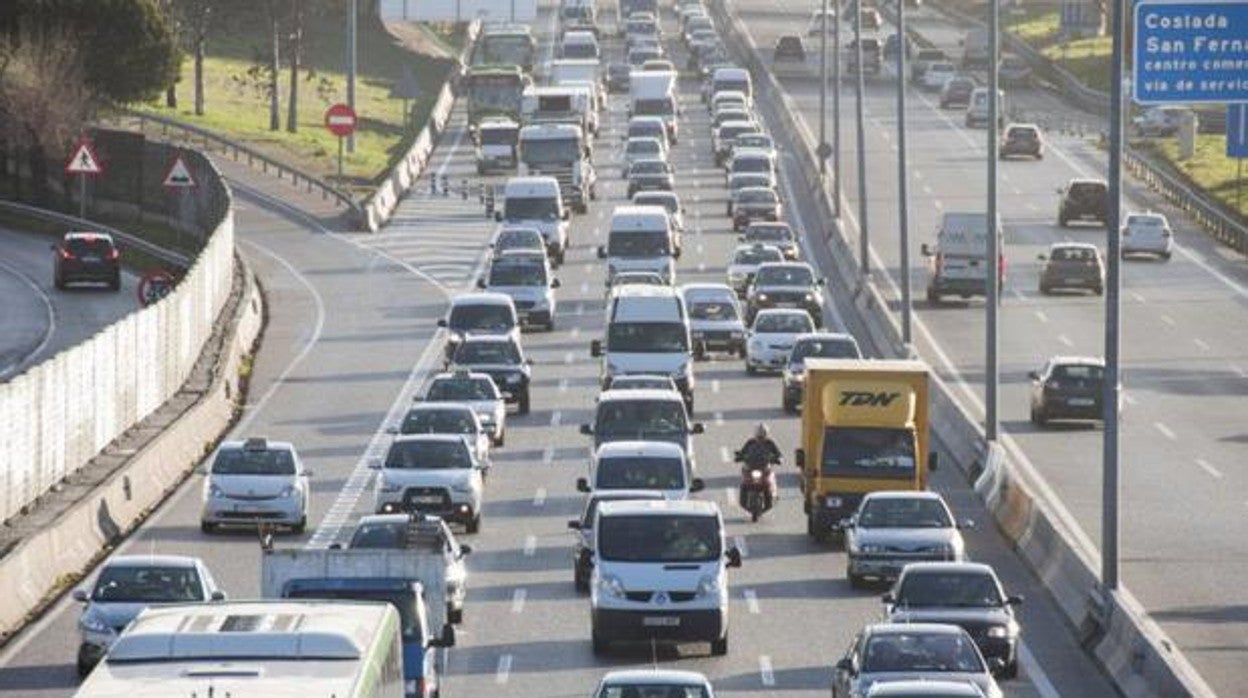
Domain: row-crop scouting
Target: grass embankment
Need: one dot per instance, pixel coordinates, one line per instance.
(1086, 59)
(1209, 168)
(237, 106)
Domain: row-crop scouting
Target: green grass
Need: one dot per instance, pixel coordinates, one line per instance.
(236, 106)
(1209, 168)
(1087, 59)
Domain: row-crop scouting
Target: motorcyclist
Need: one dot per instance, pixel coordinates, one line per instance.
(760, 453)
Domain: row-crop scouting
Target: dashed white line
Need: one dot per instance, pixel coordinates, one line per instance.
(1138, 297)
(504, 669)
(555, 418)
(1204, 346)
(715, 385)
(1165, 431)
(730, 495)
(576, 332)
(1239, 371)
(1204, 465)
(530, 545)
(719, 419)
(1167, 319)
(517, 600)
(765, 671)
(724, 455)
(539, 497)
(1065, 340)
(567, 357)
(939, 206)
(563, 385)
(584, 287)
(548, 455)
(1041, 316)
(739, 541)
(751, 601)
(1126, 397)
(701, 267)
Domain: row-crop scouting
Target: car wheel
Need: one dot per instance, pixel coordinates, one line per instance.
(855, 581)
(1099, 290)
(789, 406)
(59, 282)
(1045, 290)
(1062, 221)
(719, 647)
(500, 439)
(749, 369)
(933, 296)
(1039, 417)
(1165, 256)
(454, 615)
(579, 582)
(207, 527)
(600, 644)
(474, 525)
(1011, 670)
(524, 402)
(84, 663)
(559, 257)
(300, 527)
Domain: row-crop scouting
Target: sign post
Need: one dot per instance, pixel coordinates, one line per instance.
(84, 162)
(340, 120)
(1237, 144)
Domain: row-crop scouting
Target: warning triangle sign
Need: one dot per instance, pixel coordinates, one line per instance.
(84, 160)
(179, 175)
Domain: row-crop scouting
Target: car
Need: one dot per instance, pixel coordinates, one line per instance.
(956, 92)
(725, 135)
(750, 204)
(644, 415)
(758, 163)
(1147, 234)
(669, 200)
(1013, 70)
(642, 381)
(478, 391)
(872, 58)
(525, 277)
(771, 337)
(618, 77)
(647, 127)
(1083, 199)
(1067, 388)
(967, 594)
(627, 683)
(753, 142)
(1072, 265)
(886, 652)
(892, 41)
(745, 262)
(977, 110)
(816, 26)
(417, 531)
(730, 112)
(478, 313)
(1021, 139)
(448, 418)
(431, 474)
(775, 233)
(892, 529)
(1161, 121)
(656, 466)
(937, 74)
(714, 319)
(923, 60)
(127, 584)
(786, 285)
(650, 174)
(639, 53)
(83, 256)
(583, 527)
(822, 345)
(658, 65)
(723, 99)
(789, 49)
(508, 238)
(255, 481)
(642, 149)
(743, 180)
(629, 278)
(502, 359)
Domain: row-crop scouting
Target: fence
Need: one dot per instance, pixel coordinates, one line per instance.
(57, 416)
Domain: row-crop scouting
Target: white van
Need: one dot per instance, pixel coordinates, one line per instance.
(647, 332)
(641, 238)
(641, 465)
(644, 414)
(660, 573)
(579, 44)
(730, 80)
(959, 260)
(535, 202)
(479, 313)
(977, 109)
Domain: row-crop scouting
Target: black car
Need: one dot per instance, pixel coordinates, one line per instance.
(956, 94)
(86, 256)
(786, 285)
(618, 77)
(1067, 388)
(1083, 199)
(1072, 265)
(501, 358)
(967, 594)
(650, 175)
(753, 204)
(789, 49)
(1022, 139)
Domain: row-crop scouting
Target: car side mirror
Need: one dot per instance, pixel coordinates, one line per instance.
(933, 461)
(392, 430)
(464, 549)
(846, 524)
(554, 283)
(587, 430)
(565, 215)
(374, 464)
(734, 557)
(925, 250)
(697, 428)
(996, 665)
(481, 283)
(442, 322)
(846, 665)
(448, 637)
(52, 247)
(582, 485)
(595, 348)
(799, 457)
(218, 595)
(822, 281)
(574, 524)
(602, 252)
(889, 598)
(528, 362)
(1034, 375)
(697, 485)
(498, 216)
(1014, 600)
(1042, 257)
(1058, 190)
(80, 595)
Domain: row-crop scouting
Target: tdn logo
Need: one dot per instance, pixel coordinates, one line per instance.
(855, 398)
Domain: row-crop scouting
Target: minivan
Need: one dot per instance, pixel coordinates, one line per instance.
(641, 465)
(977, 110)
(730, 80)
(641, 238)
(647, 332)
(525, 277)
(959, 264)
(536, 202)
(643, 415)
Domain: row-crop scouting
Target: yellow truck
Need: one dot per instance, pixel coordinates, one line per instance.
(864, 429)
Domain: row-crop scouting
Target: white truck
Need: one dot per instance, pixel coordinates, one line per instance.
(497, 140)
(570, 104)
(559, 150)
(653, 93)
(580, 72)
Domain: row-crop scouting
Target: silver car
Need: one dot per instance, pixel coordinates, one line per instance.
(886, 653)
(1147, 234)
(772, 336)
(478, 391)
(745, 262)
(714, 319)
(892, 529)
(431, 474)
(253, 482)
(624, 683)
(448, 418)
(126, 585)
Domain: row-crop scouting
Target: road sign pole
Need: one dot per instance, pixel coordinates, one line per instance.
(864, 239)
(992, 278)
(1113, 314)
(341, 142)
(82, 195)
(823, 92)
(1239, 184)
(352, 15)
(836, 115)
(903, 196)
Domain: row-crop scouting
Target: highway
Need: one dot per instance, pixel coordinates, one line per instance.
(1184, 334)
(39, 320)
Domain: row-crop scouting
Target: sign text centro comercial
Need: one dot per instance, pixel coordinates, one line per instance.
(1191, 51)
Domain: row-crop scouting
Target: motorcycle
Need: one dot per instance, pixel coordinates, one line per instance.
(754, 493)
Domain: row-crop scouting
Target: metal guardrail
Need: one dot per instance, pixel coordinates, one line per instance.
(126, 239)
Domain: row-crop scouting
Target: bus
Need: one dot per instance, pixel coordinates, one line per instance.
(507, 44)
(276, 649)
(494, 90)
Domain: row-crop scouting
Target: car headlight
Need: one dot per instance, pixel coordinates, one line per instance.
(998, 631)
(762, 297)
(708, 586)
(93, 623)
(871, 548)
(215, 492)
(832, 502)
(736, 334)
(287, 492)
(611, 586)
(810, 298)
(513, 378)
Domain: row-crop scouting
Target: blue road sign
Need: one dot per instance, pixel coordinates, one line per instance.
(1191, 51)
(1237, 130)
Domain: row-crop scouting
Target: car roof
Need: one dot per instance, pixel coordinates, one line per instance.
(462, 375)
(484, 298)
(1087, 180)
(780, 311)
(659, 507)
(905, 628)
(441, 438)
(617, 495)
(152, 561)
(1022, 125)
(270, 445)
(757, 225)
(1074, 246)
(643, 395)
(88, 235)
(976, 567)
(792, 265)
(925, 687)
(1077, 360)
(826, 337)
(488, 339)
(647, 449)
(903, 494)
(441, 406)
(718, 288)
(628, 676)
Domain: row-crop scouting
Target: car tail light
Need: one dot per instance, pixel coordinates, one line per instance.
(114, 253)
(65, 253)
(940, 262)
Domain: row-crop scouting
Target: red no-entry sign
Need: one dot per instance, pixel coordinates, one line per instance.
(340, 120)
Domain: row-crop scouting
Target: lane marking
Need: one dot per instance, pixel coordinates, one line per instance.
(539, 497)
(1165, 431)
(1139, 298)
(48, 308)
(1204, 465)
(555, 418)
(567, 357)
(765, 671)
(504, 669)
(725, 456)
(576, 332)
(1040, 314)
(1065, 340)
(548, 455)
(563, 385)
(730, 495)
(1204, 346)
(751, 601)
(517, 600)
(1126, 397)
(719, 419)
(715, 385)
(739, 541)
(1167, 319)
(1239, 371)
(530, 545)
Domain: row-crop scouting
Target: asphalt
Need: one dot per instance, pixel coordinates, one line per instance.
(39, 320)
(1183, 339)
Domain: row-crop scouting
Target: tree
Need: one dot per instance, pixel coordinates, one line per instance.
(273, 10)
(295, 49)
(197, 15)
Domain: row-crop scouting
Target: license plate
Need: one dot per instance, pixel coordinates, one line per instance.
(1073, 281)
(90, 260)
(427, 499)
(661, 621)
(786, 304)
(1082, 401)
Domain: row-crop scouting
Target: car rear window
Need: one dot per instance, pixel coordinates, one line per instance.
(99, 247)
(1073, 254)
(1078, 372)
(1087, 189)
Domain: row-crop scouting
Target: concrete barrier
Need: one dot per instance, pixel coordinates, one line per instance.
(1113, 627)
(117, 490)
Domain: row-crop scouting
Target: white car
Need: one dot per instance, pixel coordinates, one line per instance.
(527, 279)
(127, 584)
(478, 391)
(657, 682)
(714, 319)
(937, 74)
(642, 149)
(643, 381)
(1147, 234)
(448, 418)
(431, 474)
(429, 534)
(772, 336)
(775, 233)
(517, 238)
(816, 26)
(255, 481)
(655, 466)
(745, 261)
(670, 201)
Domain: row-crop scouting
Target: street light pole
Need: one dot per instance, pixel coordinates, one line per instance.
(352, 15)
(823, 93)
(992, 274)
(837, 192)
(864, 240)
(903, 196)
(1113, 314)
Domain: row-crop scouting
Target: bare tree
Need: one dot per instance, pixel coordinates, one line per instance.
(295, 50)
(194, 20)
(273, 8)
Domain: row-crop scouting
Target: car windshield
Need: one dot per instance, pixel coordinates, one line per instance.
(641, 244)
(751, 165)
(785, 276)
(909, 512)
(640, 419)
(487, 353)
(636, 383)
(439, 421)
(719, 309)
(428, 455)
(659, 538)
(961, 589)
(643, 278)
(649, 167)
(89, 247)
(784, 323)
(513, 274)
(752, 141)
(1136, 220)
(531, 208)
(498, 136)
(651, 689)
(481, 318)
(757, 196)
(647, 337)
(1023, 134)
(654, 107)
(868, 451)
(825, 349)
(519, 240)
(646, 130)
(773, 234)
(643, 146)
(240, 461)
(921, 652)
(634, 473)
(756, 255)
(390, 535)
(1087, 190)
(133, 584)
(451, 389)
(743, 181)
